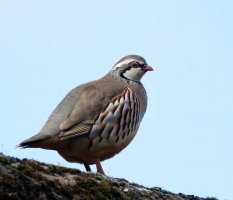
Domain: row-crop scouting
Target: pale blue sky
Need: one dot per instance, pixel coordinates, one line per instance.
(185, 140)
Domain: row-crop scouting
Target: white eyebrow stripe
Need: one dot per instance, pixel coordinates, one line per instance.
(123, 63)
(141, 62)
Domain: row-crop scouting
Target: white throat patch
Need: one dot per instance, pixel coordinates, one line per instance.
(134, 74)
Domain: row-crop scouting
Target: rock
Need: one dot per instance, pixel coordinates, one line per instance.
(29, 179)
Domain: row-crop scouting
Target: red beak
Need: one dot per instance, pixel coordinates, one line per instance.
(147, 68)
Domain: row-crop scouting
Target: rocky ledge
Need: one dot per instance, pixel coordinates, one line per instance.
(29, 179)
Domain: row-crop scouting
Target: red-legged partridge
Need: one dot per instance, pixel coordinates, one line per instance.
(96, 120)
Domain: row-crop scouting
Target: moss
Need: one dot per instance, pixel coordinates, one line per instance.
(98, 177)
(31, 164)
(99, 190)
(105, 187)
(98, 195)
(30, 169)
(28, 179)
(115, 191)
(89, 182)
(55, 169)
(84, 197)
(3, 160)
(109, 190)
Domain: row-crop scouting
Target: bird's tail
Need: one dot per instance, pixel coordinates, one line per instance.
(30, 144)
(37, 142)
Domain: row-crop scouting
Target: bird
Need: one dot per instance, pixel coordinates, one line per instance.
(98, 119)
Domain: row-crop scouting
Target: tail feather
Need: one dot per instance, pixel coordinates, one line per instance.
(31, 143)
(38, 141)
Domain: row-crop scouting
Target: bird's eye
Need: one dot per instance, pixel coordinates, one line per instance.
(134, 64)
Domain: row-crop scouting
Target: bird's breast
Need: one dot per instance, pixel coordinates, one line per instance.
(117, 125)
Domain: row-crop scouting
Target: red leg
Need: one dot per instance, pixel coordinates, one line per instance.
(99, 167)
(88, 169)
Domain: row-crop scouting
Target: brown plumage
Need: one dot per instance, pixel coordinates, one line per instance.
(98, 119)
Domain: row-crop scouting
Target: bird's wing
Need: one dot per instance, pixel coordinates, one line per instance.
(93, 102)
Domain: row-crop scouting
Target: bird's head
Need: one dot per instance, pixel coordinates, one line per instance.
(131, 67)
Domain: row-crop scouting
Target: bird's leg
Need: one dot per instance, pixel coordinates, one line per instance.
(99, 167)
(87, 167)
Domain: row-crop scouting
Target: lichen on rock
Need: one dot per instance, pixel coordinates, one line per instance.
(29, 179)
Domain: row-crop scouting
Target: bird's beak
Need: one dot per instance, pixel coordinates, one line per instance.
(147, 68)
